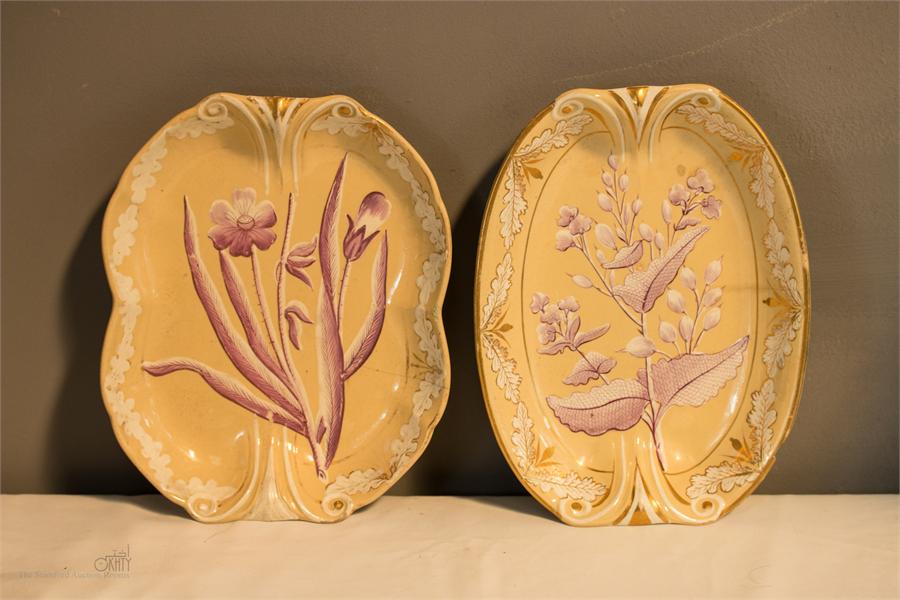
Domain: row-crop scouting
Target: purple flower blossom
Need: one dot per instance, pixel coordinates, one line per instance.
(566, 214)
(538, 302)
(299, 259)
(678, 195)
(551, 314)
(711, 207)
(373, 212)
(242, 224)
(701, 181)
(580, 224)
(546, 333)
(569, 304)
(564, 240)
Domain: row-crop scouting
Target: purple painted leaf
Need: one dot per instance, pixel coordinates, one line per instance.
(590, 368)
(233, 390)
(694, 379)
(574, 326)
(642, 288)
(237, 293)
(626, 256)
(617, 406)
(685, 222)
(328, 235)
(331, 365)
(368, 335)
(591, 335)
(299, 258)
(554, 348)
(235, 347)
(295, 313)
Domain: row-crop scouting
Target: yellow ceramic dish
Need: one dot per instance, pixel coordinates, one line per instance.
(642, 305)
(275, 349)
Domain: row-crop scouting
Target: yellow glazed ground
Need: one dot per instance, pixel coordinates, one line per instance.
(716, 442)
(202, 450)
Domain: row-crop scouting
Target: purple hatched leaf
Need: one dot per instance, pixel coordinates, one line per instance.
(591, 335)
(617, 406)
(235, 347)
(641, 289)
(694, 379)
(233, 390)
(626, 256)
(589, 368)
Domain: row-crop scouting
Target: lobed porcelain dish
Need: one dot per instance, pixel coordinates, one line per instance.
(642, 306)
(276, 349)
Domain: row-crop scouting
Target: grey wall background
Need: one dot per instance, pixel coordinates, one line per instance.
(83, 86)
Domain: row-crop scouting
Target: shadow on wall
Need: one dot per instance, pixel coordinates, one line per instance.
(463, 457)
(84, 456)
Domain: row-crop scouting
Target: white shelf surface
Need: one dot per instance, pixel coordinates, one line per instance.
(434, 546)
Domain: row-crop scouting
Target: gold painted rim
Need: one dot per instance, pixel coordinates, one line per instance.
(804, 264)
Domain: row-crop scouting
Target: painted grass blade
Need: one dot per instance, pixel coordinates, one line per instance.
(230, 388)
(235, 347)
(241, 302)
(368, 335)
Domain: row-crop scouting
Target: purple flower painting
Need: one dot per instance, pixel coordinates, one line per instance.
(649, 264)
(262, 348)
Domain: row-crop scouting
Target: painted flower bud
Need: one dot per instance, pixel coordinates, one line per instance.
(646, 232)
(605, 236)
(675, 301)
(637, 205)
(613, 161)
(686, 327)
(712, 318)
(667, 332)
(582, 281)
(604, 202)
(711, 296)
(713, 270)
(640, 347)
(623, 182)
(659, 241)
(688, 278)
(607, 179)
(299, 258)
(667, 212)
(373, 212)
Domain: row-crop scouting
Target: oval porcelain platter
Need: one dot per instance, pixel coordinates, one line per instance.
(275, 349)
(642, 304)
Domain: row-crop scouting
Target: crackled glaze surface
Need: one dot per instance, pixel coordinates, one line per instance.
(275, 349)
(642, 301)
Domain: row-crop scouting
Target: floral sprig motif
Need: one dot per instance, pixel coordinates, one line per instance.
(647, 261)
(560, 330)
(263, 352)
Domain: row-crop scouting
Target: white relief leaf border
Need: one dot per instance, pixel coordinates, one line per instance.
(564, 485)
(201, 498)
(761, 418)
